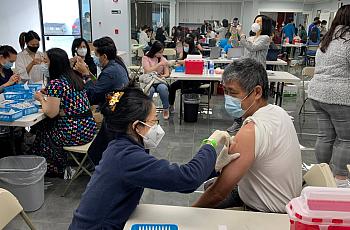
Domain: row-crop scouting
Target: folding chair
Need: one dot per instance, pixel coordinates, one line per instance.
(80, 149)
(320, 175)
(169, 52)
(307, 73)
(10, 208)
(310, 57)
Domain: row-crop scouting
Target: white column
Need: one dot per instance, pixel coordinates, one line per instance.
(173, 15)
(115, 25)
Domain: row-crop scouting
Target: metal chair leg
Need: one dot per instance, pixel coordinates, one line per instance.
(27, 220)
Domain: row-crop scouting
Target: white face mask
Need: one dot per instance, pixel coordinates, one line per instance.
(255, 27)
(82, 52)
(153, 137)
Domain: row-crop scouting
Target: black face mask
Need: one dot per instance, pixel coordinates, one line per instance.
(33, 48)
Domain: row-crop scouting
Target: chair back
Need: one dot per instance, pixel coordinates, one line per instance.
(308, 71)
(9, 207)
(169, 52)
(320, 175)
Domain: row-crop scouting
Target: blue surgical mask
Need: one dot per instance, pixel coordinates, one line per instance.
(8, 65)
(186, 49)
(45, 70)
(97, 61)
(233, 106)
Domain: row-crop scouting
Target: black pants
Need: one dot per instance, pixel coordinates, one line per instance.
(187, 85)
(99, 145)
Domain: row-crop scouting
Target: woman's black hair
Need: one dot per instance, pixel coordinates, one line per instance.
(144, 27)
(192, 46)
(225, 23)
(159, 32)
(106, 45)
(342, 19)
(6, 50)
(132, 106)
(60, 67)
(155, 48)
(266, 25)
(76, 43)
(26, 37)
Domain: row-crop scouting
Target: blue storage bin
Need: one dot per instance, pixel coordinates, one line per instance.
(10, 117)
(26, 111)
(180, 68)
(18, 95)
(7, 103)
(154, 227)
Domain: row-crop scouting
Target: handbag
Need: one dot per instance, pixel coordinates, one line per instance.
(148, 80)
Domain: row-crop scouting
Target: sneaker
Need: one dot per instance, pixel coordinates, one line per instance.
(237, 124)
(342, 183)
(166, 114)
(172, 109)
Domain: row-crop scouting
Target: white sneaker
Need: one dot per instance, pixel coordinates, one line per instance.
(172, 109)
(342, 183)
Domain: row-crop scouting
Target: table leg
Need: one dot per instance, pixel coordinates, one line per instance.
(13, 140)
(277, 93)
(181, 90)
(281, 94)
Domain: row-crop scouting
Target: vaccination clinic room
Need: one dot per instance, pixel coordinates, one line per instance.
(175, 115)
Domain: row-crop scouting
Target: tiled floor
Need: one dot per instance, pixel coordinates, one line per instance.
(179, 145)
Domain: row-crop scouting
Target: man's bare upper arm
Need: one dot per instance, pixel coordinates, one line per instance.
(232, 173)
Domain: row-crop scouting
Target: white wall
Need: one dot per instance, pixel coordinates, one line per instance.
(248, 16)
(278, 6)
(18, 16)
(104, 23)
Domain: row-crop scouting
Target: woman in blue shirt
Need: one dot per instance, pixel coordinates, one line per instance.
(127, 168)
(8, 56)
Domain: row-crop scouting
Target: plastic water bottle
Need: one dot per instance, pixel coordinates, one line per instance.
(205, 71)
(223, 53)
(211, 67)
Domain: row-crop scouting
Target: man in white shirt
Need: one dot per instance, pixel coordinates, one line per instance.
(144, 39)
(268, 172)
(210, 33)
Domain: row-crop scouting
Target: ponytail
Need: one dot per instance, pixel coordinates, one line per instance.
(27, 37)
(22, 40)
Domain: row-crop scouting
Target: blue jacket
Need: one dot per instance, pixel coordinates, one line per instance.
(113, 77)
(223, 42)
(125, 170)
(289, 31)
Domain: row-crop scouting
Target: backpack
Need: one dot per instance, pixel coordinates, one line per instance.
(272, 53)
(314, 34)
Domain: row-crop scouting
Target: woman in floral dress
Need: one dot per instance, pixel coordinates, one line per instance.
(65, 103)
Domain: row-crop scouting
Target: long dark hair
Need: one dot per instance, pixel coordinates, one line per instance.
(342, 19)
(192, 48)
(60, 67)
(155, 48)
(76, 43)
(133, 105)
(266, 28)
(26, 37)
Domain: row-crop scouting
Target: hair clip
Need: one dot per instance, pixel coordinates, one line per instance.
(114, 99)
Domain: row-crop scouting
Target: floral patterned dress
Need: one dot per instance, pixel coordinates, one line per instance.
(74, 126)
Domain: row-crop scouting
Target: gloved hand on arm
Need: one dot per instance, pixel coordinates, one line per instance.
(225, 157)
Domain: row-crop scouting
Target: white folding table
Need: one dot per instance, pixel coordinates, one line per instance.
(280, 77)
(189, 218)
